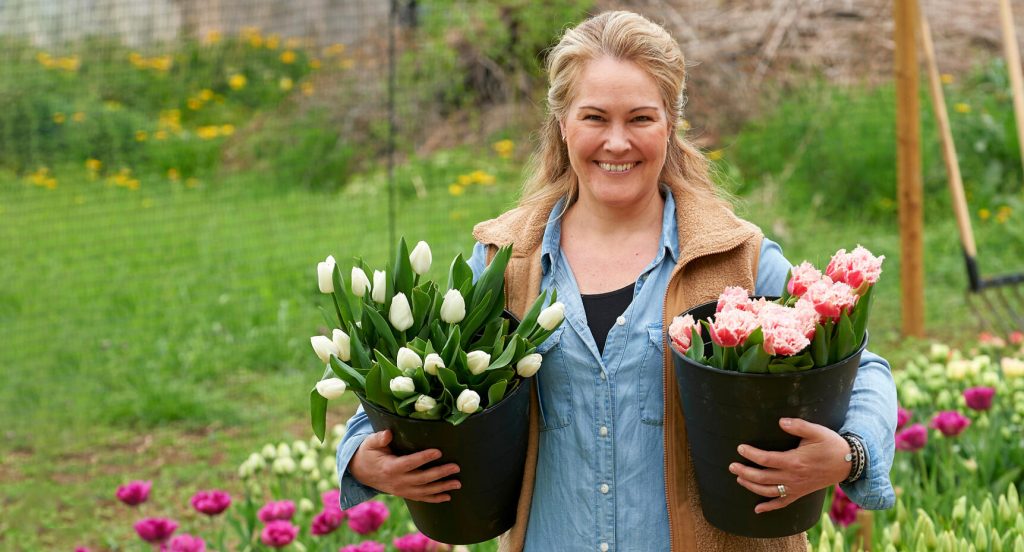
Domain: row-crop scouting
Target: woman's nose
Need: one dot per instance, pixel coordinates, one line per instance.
(617, 139)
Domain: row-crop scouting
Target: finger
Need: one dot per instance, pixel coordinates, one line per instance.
(379, 440)
(770, 491)
(430, 475)
(764, 477)
(766, 458)
(803, 428)
(776, 504)
(433, 499)
(437, 488)
(410, 462)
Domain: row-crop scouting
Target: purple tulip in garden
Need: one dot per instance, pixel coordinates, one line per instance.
(156, 530)
(365, 546)
(134, 493)
(979, 398)
(212, 502)
(187, 543)
(279, 534)
(912, 439)
(950, 422)
(902, 417)
(367, 517)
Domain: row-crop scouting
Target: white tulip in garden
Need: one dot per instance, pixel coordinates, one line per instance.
(360, 283)
(408, 359)
(343, 343)
(324, 275)
(453, 308)
(400, 314)
(425, 403)
(402, 387)
(528, 365)
(379, 286)
(468, 401)
(551, 316)
(330, 388)
(420, 258)
(432, 363)
(324, 348)
(478, 362)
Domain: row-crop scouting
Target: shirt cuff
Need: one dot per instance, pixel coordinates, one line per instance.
(873, 491)
(352, 491)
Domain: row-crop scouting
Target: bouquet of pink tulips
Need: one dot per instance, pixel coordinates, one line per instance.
(819, 320)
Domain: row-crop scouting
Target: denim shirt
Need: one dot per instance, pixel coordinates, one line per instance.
(600, 468)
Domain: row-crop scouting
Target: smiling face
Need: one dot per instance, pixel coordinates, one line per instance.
(616, 131)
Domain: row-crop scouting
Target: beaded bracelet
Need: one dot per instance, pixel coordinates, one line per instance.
(857, 457)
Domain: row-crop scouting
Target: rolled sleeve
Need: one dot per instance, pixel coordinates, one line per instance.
(872, 418)
(353, 492)
(478, 261)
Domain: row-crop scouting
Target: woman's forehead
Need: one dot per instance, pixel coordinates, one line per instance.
(607, 83)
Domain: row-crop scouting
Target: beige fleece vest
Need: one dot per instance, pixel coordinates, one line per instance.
(716, 250)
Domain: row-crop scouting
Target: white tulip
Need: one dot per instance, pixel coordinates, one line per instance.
(306, 505)
(256, 461)
(360, 283)
(283, 450)
(528, 365)
(400, 314)
(432, 363)
(552, 316)
(402, 387)
(453, 308)
(478, 362)
(468, 401)
(380, 287)
(425, 403)
(269, 451)
(420, 258)
(307, 464)
(330, 388)
(324, 348)
(284, 464)
(324, 275)
(300, 447)
(323, 485)
(343, 343)
(408, 359)
(329, 464)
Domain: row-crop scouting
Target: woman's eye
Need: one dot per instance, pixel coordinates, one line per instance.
(592, 118)
(643, 119)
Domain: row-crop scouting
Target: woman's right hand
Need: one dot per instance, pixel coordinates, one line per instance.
(376, 466)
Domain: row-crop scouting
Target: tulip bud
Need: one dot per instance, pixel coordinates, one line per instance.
(324, 485)
(425, 403)
(283, 450)
(343, 343)
(283, 465)
(453, 308)
(330, 388)
(324, 348)
(360, 283)
(306, 505)
(528, 365)
(478, 362)
(324, 275)
(402, 387)
(307, 464)
(959, 509)
(269, 451)
(432, 363)
(468, 401)
(420, 258)
(408, 359)
(400, 314)
(552, 316)
(379, 286)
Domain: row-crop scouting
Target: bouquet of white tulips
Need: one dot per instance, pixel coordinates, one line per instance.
(413, 350)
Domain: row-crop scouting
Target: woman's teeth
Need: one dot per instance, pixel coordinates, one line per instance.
(616, 167)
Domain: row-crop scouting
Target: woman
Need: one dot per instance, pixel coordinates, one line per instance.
(621, 217)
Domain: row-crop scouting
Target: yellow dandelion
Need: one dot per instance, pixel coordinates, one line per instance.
(160, 135)
(78, 117)
(132, 184)
(478, 176)
(194, 104)
(293, 43)
(307, 88)
(285, 83)
(947, 78)
(212, 37)
(237, 81)
(59, 118)
(465, 180)
(961, 107)
(287, 57)
(93, 165)
(173, 175)
(227, 130)
(314, 63)
(205, 94)
(136, 59)
(1003, 214)
(273, 41)
(192, 182)
(208, 132)
(112, 105)
(69, 63)
(147, 203)
(141, 135)
(504, 148)
(715, 155)
(456, 190)
(457, 215)
(50, 183)
(162, 63)
(255, 40)
(347, 63)
(984, 213)
(44, 59)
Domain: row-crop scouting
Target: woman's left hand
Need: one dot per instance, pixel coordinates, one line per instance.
(818, 462)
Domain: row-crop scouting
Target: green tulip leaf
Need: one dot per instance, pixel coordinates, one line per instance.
(432, 414)
(459, 273)
(756, 337)
(476, 318)
(348, 374)
(403, 274)
(530, 318)
(489, 342)
(318, 414)
(383, 331)
(450, 382)
(451, 347)
(755, 360)
(491, 281)
(375, 392)
(496, 392)
(387, 366)
(860, 314)
(422, 383)
(437, 338)
(507, 355)
(482, 383)
(457, 418)
(820, 345)
(420, 309)
(340, 295)
(844, 339)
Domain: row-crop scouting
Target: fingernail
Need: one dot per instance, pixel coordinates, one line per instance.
(733, 468)
(786, 421)
(741, 449)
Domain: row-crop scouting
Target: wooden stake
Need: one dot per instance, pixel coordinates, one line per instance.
(1012, 53)
(908, 168)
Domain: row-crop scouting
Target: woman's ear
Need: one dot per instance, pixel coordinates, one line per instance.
(561, 129)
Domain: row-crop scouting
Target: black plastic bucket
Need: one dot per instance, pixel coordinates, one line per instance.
(490, 449)
(724, 409)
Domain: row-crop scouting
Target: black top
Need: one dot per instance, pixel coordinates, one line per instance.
(603, 308)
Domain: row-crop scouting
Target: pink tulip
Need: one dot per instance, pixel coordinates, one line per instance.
(83, 549)
(831, 299)
(282, 510)
(912, 439)
(156, 530)
(732, 327)
(681, 332)
(857, 269)
(212, 502)
(784, 333)
(418, 542)
(902, 417)
(1017, 337)
(843, 510)
(187, 543)
(279, 533)
(134, 492)
(979, 398)
(327, 521)
(734, 297)
(367, 517)
(950, 422)
(802, 277)
(991, 340)
(808, 317)
(331, 499)
(365, 546)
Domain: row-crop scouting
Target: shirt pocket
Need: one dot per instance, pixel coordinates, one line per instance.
(554, 388)
(652, 399)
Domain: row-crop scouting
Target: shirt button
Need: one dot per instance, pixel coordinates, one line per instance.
(603, 376)
(603, 431)
(604, 488)
(604, 547)
(621, 320)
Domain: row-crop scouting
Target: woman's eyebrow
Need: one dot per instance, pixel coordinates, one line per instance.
(598, 109)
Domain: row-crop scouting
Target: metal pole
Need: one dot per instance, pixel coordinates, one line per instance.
(392, 195)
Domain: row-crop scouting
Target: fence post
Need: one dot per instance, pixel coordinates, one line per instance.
(865, 522)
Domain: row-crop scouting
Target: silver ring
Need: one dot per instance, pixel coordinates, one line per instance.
(782, 490)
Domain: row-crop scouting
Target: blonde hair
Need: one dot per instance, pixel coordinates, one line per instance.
(623, 36)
